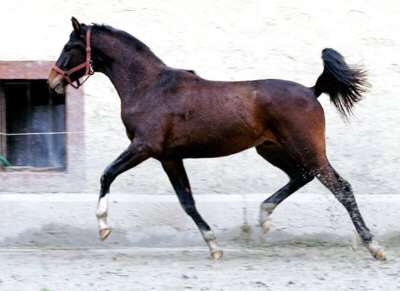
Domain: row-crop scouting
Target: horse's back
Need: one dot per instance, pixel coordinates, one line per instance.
(285, 93)
(271, 101)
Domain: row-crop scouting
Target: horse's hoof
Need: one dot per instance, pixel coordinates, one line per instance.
(375, 250)
(380, 255)
(217, 254)
(266, 225)
(104, 233)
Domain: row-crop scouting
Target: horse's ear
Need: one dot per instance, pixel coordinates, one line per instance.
(77, 26)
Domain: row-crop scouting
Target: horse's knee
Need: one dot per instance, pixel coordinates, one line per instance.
(105, 182)
(104, 179)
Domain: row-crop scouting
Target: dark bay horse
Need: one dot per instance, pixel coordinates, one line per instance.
(173, 114)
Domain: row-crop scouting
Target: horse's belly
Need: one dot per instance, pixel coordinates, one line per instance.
(203, 135)
(202, 151)
(209, 146)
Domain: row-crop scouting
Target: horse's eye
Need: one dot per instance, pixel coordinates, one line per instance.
(67, 48)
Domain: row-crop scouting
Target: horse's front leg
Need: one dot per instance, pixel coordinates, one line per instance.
(135, 154)
(179, 180)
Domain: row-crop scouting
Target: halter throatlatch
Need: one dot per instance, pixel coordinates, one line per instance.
(87, 64)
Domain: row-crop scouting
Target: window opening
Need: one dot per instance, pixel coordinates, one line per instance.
(34, 124)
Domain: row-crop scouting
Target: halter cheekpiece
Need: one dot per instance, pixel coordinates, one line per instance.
(87, 64)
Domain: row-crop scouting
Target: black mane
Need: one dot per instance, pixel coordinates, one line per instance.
(139, 46)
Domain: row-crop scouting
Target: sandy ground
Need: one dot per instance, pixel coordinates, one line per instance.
(285, 267)
(56, 246)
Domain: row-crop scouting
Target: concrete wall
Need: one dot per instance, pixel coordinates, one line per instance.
(233, 40)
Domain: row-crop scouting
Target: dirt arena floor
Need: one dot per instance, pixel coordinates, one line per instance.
(292, 266)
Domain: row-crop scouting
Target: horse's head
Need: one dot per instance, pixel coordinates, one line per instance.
(74, 61)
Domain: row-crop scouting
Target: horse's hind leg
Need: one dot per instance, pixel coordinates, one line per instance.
(311, 153)
(179, 180)
(344, 194)
(298, 176)
(131, 157)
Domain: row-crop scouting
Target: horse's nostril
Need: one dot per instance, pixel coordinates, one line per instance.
(59, 89)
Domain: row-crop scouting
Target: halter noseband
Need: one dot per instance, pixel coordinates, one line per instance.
(88, 64)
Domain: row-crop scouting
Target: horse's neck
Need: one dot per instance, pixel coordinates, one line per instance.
(126, 67)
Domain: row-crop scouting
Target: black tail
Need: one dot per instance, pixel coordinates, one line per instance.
(344, 84)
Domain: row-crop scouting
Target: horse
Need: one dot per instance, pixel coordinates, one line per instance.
(173, 114)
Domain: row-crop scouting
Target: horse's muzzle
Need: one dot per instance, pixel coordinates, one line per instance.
(57, 82)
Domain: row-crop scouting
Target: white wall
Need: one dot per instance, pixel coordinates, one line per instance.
(233, 40)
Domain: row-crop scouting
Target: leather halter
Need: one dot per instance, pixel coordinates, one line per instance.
(88, 64)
